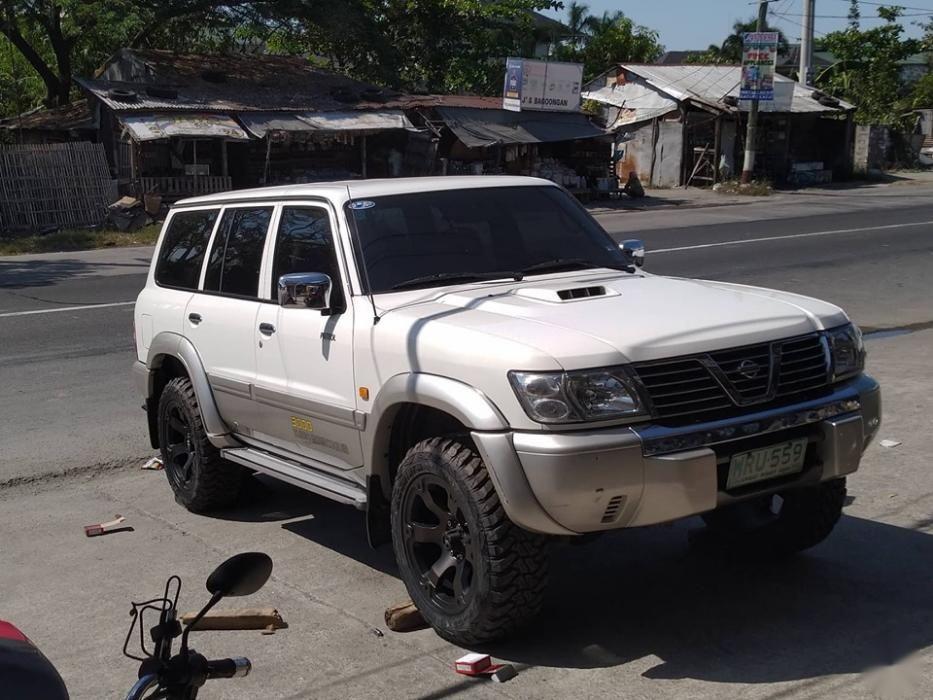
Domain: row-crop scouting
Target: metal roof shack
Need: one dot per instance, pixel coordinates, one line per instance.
(59, 124)
(187, 124)
(684, 124)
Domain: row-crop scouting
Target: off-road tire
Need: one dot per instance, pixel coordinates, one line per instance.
(806, 517)
(211, 482)
(509, 576)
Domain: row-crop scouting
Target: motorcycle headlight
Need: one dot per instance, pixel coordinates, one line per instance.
(575, 397)
(847, 351)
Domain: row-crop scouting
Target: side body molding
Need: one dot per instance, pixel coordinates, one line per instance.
(174, 345)
(462, 401)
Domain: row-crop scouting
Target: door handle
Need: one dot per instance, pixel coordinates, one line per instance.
(266, 328)
(194, 318)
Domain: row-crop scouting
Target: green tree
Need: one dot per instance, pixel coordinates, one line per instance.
(855, 15)
(867, 68)
(599, 42)
(58, 39)
(730, 51)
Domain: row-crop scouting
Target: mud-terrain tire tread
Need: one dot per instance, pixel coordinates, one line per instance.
(217, 481)
(517, 561)
(807, 518)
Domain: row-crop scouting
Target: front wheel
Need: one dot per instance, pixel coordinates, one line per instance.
(473, 574)
(782, 523)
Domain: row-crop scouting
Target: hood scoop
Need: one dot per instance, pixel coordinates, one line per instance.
(561, 295)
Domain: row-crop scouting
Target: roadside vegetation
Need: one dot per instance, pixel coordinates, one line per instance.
(78, 239)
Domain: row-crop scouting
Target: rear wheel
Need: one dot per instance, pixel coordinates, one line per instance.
(781, 523)
(472, 573)
(200, 479)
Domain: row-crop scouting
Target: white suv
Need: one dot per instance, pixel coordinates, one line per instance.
(475, 363)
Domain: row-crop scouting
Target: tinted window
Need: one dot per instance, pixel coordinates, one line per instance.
(236, 256)
(305, 244)
(478, 231)
(183, 248)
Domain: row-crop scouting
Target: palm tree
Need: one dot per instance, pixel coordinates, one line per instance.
(577, 15)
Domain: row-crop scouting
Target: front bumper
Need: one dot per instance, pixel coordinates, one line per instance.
(588, 481)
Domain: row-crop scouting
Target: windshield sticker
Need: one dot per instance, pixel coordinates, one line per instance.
(362, 204)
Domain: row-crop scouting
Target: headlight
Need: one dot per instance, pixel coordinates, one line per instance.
(847, 350)
(574, 397)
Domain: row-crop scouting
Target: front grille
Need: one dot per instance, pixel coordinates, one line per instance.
(803, 365)
(719, 382)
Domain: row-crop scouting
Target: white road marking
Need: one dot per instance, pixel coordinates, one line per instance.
(789, 236)
(652, 252)
(66, 308)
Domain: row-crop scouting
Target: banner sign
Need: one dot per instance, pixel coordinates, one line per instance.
(543, 86)
(759, 58)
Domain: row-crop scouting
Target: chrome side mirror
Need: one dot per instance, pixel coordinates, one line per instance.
(306, 290)
(634, 252)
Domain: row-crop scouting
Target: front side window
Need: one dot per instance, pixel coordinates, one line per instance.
(430, 239)
(236, 256)
(304, 243)
(183, 248)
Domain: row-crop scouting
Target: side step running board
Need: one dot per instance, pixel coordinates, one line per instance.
(332, 487)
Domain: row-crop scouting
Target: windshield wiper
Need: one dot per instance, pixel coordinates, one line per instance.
(457, 277)
(557, 264)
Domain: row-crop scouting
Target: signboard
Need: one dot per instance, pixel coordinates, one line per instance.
(759, 57)
(542, 86)
(512, 91)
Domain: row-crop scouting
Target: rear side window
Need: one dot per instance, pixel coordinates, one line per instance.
(183, 248)
(236, 256)
(304, 244)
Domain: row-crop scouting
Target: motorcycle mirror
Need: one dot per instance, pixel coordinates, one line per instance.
(242, 574)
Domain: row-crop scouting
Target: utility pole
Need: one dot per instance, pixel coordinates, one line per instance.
(751, 134)
(806, 43)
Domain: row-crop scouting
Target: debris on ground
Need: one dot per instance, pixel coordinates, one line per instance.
(481, 665)
(127, 214)
(98, 529)
(633, 187)
(266, 619)
(154, 464)
(404, 617)
(890, 443)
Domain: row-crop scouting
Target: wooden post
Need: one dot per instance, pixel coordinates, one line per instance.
(751, 136)
(717, 147)
(265, 167)
(363, 155)
(223, 157)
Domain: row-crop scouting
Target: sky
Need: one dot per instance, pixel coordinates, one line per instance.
(695, 24)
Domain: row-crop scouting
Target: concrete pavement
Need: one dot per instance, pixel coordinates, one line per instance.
(639, 614)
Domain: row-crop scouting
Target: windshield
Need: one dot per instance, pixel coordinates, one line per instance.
(430, 239)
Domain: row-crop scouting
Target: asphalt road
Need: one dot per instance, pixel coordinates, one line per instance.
(66, 398)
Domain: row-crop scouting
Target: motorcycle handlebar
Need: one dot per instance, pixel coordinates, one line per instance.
(228, 668)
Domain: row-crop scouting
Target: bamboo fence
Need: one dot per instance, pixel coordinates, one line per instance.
(50, 186)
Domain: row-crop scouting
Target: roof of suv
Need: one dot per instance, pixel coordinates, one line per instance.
(368, 188)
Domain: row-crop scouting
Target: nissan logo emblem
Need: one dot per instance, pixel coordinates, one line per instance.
(749, 369)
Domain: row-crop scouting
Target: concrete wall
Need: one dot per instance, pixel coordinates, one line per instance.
(872, 147)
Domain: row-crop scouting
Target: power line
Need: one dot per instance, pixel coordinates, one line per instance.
(894, 4)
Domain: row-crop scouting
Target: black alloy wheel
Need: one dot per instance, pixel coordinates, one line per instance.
(439, 545)
(179, 450)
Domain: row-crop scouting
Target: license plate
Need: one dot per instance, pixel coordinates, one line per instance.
(766, 463)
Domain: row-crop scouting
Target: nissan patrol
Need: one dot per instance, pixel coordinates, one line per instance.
(478, 366)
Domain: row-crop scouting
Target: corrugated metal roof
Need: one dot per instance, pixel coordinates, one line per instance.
(478, 128)
(704, 84)
(75, 116)
(260, 123)
(161, 80)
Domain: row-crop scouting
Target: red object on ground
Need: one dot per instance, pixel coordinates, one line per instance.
(476, 665)
(8, 631)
